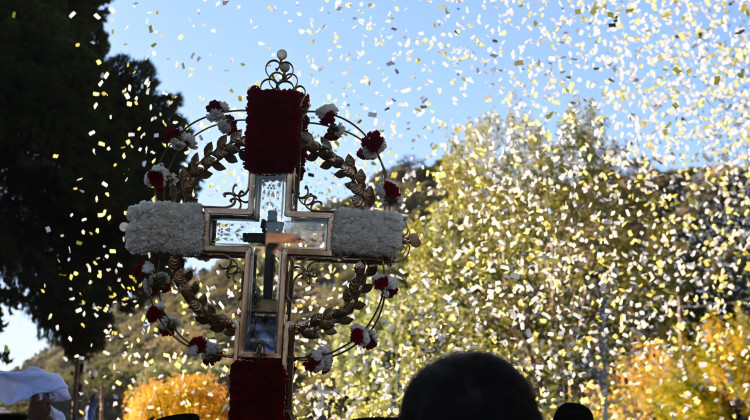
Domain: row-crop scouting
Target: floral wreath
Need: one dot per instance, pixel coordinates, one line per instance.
(180, 187)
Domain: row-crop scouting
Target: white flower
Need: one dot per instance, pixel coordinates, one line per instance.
(193, 351)
(177, 144)
(225, 126)
(325, 109)
(147, 285)
(189, 139)
(169, 324)
(148, 268)
(373, 334)
(215, 115)
(212, 348)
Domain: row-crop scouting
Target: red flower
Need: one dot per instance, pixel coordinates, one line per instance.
(169, 133)
(310, 365)
(392, 292)
(380, 283)
(391, 190)
(213, 105)
(166, 288)
(357, 336)
(373, 343)
(137, 270)
(156, 178)
(153, 314)
(360, 154)
(199, 342)
(373, 141)
(329, 118)
(231, 121)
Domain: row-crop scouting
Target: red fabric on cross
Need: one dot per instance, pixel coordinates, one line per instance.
(257, 390)
(272, 136)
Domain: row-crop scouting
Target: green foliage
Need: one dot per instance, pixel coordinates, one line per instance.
(67, 167)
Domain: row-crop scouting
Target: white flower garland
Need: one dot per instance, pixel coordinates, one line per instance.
(366, 233)
(165, 226)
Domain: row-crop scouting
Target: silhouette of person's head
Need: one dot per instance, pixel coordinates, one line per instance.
(573, 411)
(469, 386)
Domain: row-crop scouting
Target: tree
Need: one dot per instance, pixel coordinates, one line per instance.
(522, 253)
(706, 377)
(68, 167)
(199, 393)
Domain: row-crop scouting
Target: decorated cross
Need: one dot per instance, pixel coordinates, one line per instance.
(270, 234)
(274, 230)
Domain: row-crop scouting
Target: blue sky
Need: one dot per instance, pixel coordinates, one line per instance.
(667, 74)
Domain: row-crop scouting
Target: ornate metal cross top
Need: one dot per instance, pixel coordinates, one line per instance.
(270, 234)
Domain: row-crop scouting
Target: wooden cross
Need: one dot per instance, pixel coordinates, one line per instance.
(267, 233)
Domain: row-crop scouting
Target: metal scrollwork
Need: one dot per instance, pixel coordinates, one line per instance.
(309, 200)
(232, 270)
(411, 240)
(304, 268)
(236, 197)
(281, 72)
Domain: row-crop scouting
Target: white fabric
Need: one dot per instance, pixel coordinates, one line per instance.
(22, 385)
